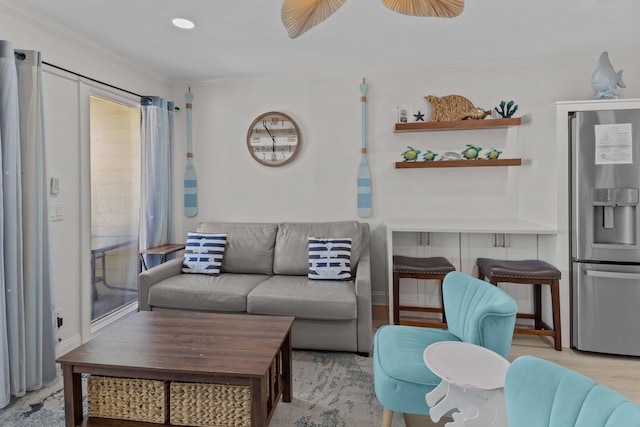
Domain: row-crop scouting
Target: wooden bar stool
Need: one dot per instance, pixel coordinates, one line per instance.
(529, 272)
(434, 268)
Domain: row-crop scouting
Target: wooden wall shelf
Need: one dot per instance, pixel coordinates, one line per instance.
(458, 125)
(459, 163)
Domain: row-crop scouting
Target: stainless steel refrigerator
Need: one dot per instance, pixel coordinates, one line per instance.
(605, 231)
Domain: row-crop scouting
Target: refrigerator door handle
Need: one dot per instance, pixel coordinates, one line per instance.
(613, 275)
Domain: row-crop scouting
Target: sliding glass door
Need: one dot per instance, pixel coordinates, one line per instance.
(114, 130)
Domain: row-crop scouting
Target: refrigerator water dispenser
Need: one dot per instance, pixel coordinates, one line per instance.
(614, 219)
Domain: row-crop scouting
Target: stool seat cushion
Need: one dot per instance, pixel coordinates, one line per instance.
(526, 269)
(432, 265)
(401, 377)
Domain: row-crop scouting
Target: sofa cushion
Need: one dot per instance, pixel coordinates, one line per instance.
(329, 259)
(303, 298)
(292, 244)
(250, 246)
(227, 292)
(203, 253)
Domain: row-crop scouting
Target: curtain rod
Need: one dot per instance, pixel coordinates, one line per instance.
(95, 80)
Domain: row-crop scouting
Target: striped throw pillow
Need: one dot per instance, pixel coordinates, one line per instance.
(329, 259)
(203, 253)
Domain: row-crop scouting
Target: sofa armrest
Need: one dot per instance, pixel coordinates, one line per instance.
(363, 294)
(154, 275)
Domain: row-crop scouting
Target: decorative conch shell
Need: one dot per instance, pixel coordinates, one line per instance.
(476, 114)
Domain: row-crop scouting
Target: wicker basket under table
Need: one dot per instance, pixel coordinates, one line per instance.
(128, 399)
(218, 405)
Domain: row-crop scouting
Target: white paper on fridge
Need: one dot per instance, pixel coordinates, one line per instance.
(614, 144)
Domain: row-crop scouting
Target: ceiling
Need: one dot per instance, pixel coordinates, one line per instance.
(245, 37)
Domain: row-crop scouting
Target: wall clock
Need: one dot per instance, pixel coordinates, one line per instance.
(273, 139)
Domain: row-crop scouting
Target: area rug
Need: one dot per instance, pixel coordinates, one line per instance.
(330, 389)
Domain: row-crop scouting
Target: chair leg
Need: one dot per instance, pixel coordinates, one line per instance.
(537, 306)
(387, 417)
(396, 298)
(444, 315)
(555, 305)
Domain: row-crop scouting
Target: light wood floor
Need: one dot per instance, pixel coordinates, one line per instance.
(620, 373)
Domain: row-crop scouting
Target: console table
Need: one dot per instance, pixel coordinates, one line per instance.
(162, 250)
(472, 382)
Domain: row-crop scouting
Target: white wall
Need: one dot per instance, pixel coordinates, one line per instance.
(320, 184)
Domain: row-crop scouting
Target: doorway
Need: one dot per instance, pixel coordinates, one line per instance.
(114, 130)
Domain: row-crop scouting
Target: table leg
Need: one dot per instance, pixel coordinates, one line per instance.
(286, 368)
(72, 396)
(259, 412)
(471, 408)
(491, 410)
(440, 401)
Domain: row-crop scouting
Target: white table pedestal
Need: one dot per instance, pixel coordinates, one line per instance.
(472, 387)
(473, 408)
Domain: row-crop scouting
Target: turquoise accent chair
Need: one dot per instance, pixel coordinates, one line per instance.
(477, 312)
(539, 393)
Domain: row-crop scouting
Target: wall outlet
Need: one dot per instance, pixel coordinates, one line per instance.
(59, 318)
(55, 211)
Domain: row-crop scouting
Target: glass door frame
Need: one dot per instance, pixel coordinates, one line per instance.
(87, 89)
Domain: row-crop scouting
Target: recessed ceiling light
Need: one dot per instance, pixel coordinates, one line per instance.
(183, 23)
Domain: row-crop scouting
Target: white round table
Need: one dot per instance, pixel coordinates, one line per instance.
(472, 384)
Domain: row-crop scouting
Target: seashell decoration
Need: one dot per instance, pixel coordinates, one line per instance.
(449, 108)
(476, 114)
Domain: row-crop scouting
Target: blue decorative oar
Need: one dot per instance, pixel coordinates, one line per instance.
(190, 178)
(364, 178)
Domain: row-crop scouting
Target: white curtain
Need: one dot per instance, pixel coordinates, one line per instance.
(27, 332)
(158, 134)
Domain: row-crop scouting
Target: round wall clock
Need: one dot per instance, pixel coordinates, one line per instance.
(273, 139)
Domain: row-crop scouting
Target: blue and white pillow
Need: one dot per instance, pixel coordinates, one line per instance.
(329, 258)
(203, 253)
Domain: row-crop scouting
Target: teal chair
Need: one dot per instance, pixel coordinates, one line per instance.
(477, 312)
(539, 393)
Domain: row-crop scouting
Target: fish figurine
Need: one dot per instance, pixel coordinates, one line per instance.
(493, 154)
(471, 152)
(605, 79)
(429, 156)
(410, 155)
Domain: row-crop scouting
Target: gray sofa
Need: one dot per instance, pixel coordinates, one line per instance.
(264, 271)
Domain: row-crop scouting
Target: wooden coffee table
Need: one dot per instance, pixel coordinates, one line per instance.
(228, 349)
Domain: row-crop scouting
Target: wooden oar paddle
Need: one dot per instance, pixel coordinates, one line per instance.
(364, 178)
(190, 178)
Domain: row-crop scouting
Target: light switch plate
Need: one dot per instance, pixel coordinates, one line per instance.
(54, 188)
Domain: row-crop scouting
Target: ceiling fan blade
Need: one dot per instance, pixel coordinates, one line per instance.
(298, 16)
(440, 8)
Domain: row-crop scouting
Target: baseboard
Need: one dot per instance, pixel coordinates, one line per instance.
(65, 346)
(379, 298)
